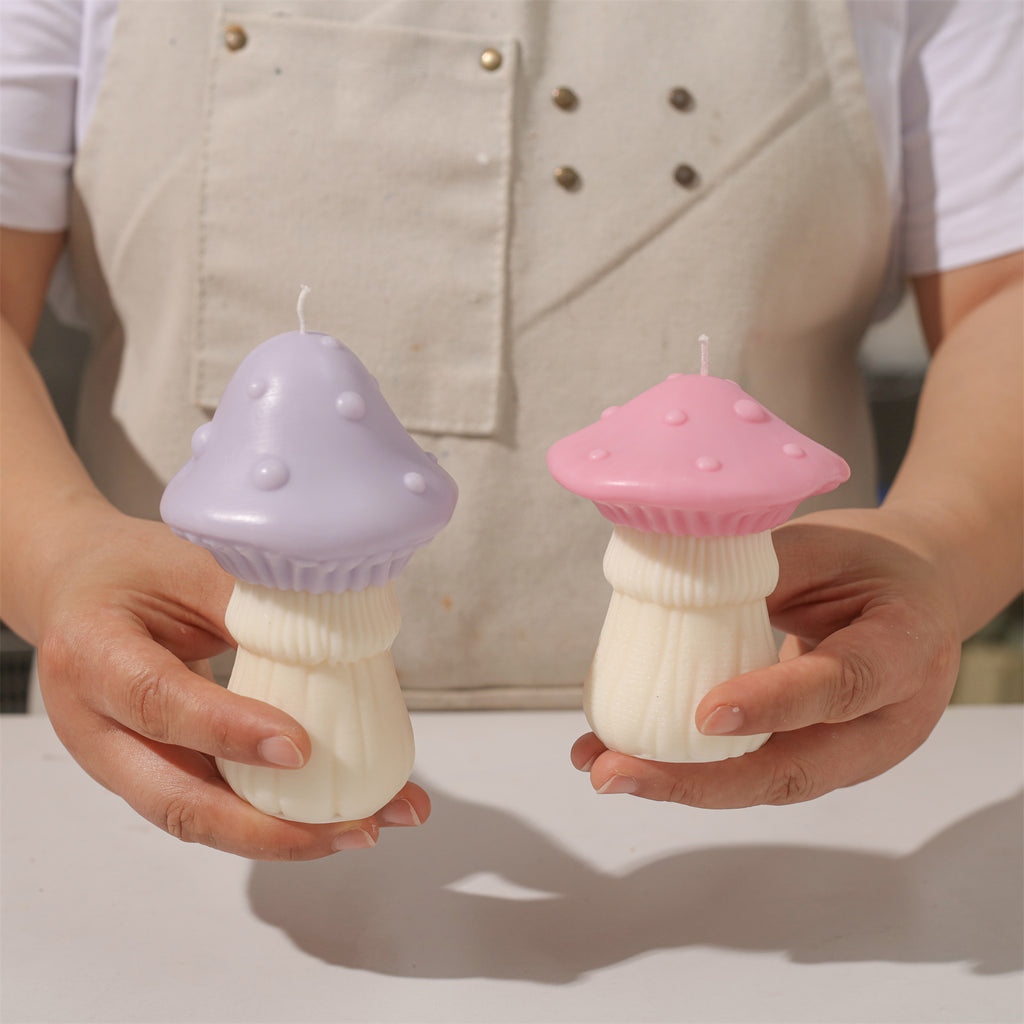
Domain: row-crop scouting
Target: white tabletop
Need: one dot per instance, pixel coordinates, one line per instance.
(529, 898)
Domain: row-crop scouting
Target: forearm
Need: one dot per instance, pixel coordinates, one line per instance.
(46, 494)
(959, 490)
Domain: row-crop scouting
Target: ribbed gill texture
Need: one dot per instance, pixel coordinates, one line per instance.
(298, 628)
(691, 572)
(265, 568)
(693, 522)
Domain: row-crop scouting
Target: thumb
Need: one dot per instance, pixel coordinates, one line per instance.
(852, 672)
(147, 689)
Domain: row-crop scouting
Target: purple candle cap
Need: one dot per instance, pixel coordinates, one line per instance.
(305, 479)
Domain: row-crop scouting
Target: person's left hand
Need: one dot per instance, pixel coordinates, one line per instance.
(868, 667)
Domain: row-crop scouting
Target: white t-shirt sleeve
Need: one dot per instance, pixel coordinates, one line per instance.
(962, 134)
(39, 67)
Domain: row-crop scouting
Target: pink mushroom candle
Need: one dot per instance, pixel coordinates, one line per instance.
(307, 489)
(695, 474)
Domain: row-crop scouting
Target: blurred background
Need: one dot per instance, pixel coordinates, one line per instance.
(893, 359)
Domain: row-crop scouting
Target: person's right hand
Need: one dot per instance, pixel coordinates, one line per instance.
(125, 629)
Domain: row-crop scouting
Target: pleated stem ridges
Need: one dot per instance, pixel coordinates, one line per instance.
(325, 660)
(686, 613)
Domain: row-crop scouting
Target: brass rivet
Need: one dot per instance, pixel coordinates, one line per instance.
(681, 99)
(490, 59)
(235, 37)
(686, 176)
(564, 98)
(568, 178)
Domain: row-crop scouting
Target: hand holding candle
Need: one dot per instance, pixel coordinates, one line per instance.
(694, 474)
(309, 491)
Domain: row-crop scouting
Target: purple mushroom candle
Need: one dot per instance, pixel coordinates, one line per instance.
(309, 491)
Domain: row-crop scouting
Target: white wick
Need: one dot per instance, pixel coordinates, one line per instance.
(300, 308)
(703, 339)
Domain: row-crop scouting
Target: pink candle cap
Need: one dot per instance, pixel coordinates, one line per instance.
(305, 479)
(694, 455)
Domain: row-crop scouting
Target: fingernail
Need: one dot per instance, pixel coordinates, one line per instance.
(586, 766)
(281, 751)
(399, 812)
(619, 784)
(722, 721)
(353, 839)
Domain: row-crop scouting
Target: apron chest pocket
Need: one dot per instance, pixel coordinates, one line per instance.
(371, 163)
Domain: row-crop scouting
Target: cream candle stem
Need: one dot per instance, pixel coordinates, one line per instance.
(325, 660)
(686, 614)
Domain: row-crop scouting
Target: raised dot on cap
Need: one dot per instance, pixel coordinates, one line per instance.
(675, 417)
(751, 411)
(708, 464)
(794, 451)
(201, 438)
(270, 473)
(415, 483)
(351, 405)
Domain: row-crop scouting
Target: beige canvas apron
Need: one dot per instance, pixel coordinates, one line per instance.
(369, 150)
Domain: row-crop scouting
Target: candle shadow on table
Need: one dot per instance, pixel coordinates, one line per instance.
(479, 892)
